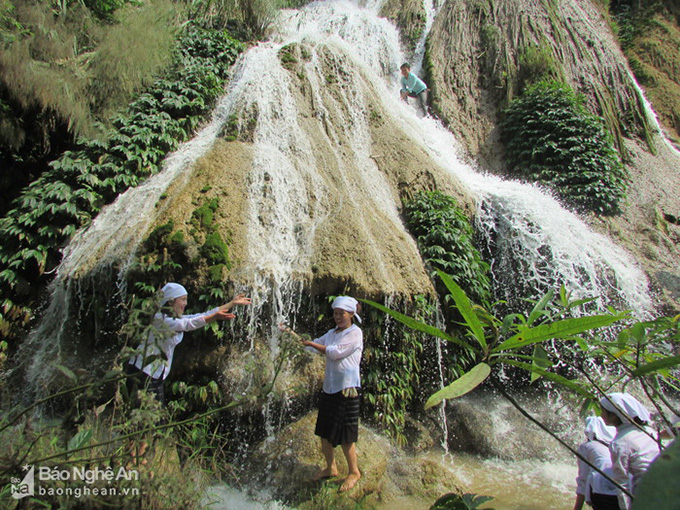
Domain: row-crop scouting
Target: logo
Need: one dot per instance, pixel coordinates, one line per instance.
(75, 482)
(26, 487)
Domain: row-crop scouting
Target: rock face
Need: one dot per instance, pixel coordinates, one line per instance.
(287, 462)
(478, 56)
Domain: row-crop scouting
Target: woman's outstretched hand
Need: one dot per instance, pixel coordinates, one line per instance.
(239, 299)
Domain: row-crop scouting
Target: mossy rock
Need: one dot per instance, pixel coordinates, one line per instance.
(215, 250)
(289, 462)
(158, 235)
(205, 215)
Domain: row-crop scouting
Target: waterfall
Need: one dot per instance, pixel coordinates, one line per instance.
(533, 243)
(533, 239)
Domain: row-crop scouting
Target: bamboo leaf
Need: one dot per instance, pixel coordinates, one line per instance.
(464, 384)
(539, 307)
(465, 308)
(659, 364)
(560, 329)
(67, 372)
(80, 439)
(551, 376)
(417, 325)
(541, 360)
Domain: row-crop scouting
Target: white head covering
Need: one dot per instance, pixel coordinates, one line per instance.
(172, 291)
(349, 304)
(626, 407)
(597, 429)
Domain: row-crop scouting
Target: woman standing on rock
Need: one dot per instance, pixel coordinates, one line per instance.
(338, 419)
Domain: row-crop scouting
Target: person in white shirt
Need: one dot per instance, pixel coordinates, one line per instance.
(151, 365)
(338, 419)
(633, 448)
(591, 487)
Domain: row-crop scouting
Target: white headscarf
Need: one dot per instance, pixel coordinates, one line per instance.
(597, 429)
(172, 291)
(626, 407)
(349, 304)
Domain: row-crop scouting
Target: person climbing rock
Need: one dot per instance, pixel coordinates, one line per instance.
(412, 86)
(338, 419)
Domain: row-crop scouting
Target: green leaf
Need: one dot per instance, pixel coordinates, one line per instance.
(67, 372)
(464, 384)
(560, 329)
(80, 439)
(465, 308)
(659, 364)
(417, 325)
(540, 360)
(539, 307)
(659, 488)
(567, 383)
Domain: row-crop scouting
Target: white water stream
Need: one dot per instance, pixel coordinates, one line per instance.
(527, 225)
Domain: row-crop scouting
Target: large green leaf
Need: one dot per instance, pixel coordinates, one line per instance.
(417, 325)
(659, 364)
(462, 385)
(465, 308)
(560, 329)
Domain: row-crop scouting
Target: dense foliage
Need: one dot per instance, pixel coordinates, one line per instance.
(398, 370)
(79, 183)
(446, 241)
(551, 138)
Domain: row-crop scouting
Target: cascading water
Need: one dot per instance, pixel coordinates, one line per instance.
(290, 200)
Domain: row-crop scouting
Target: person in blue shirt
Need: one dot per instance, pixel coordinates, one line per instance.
(412, 86)
(339, 405)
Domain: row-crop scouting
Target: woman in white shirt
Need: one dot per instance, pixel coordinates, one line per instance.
(154, 356)
(338, 419)
(591, 487)
(634, 447)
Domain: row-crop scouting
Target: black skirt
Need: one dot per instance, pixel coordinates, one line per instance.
(338, 419)
(604, 501)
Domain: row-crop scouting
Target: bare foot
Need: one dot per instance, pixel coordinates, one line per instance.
(323, 474)
(349, 482)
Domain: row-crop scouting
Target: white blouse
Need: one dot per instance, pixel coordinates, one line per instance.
(171, 331)
(343, 357)
(632, 452)
(588, 479)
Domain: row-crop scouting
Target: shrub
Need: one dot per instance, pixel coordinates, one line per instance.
(551, 138)
(446, 241)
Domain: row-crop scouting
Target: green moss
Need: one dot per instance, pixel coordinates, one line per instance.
(158, 236)
(537, 63)
(177, 238)
(204, 216)
(215, 272)
(215, 250)
(287, 56)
